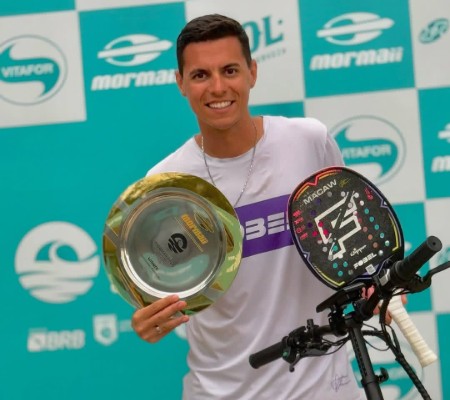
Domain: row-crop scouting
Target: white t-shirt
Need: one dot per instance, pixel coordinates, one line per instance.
(273, 292)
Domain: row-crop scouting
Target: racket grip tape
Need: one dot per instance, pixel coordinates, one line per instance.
(424, 354)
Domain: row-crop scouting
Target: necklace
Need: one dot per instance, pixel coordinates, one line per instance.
(249, 168)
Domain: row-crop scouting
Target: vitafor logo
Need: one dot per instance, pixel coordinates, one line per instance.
(353, 29)
(131, 51)
(106, 329)
(32, 69)
(266, 38)
(434, 30)
(41, 339)
(372, 146)
(56, 262)
(442, 163)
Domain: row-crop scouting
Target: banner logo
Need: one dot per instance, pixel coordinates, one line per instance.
(434, 30)
(56, 262)
(372, 146)
(40, 340)
(32, 70)
(442, 163)
(105, 329)
(266, 38)
(131, 50)
(354, 28)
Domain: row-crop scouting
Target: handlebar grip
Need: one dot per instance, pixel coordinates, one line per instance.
(267, 355)
(420, 348)
(403, 271)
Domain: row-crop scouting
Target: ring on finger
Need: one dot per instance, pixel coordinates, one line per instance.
(158, 329)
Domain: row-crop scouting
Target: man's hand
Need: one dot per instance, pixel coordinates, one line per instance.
(388, 318)
(153, 322)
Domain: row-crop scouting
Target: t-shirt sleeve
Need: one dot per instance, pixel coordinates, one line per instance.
(333, 155)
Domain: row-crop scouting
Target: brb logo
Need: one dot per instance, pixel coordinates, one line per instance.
(32, 70)
(372, 146)
(56, 262)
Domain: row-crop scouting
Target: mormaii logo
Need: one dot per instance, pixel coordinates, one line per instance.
(32, 69)
(372, 146)
(354, 28)
(131, 50)
(56, 262)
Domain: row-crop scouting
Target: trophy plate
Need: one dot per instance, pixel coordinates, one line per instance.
(172, 233)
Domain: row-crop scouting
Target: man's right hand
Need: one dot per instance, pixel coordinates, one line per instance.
(153, 322)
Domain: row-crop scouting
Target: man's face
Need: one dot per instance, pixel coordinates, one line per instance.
(217, 81)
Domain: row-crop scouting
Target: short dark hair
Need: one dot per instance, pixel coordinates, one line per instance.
(211, 27)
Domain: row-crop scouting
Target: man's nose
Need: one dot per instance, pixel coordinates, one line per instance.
(218, 85)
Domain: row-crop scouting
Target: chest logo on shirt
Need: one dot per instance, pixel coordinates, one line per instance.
(265, 226)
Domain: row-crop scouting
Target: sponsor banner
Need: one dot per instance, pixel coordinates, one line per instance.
(399, 385)
(430, 23)
(130, 52)
(274, 35)
(106, 4)
(438, 218)
(379, 136)
(41, 78)
(31, 6)
(349, 46)
(435, 120)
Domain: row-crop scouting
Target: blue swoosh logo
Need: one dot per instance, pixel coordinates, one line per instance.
(43, 70)
(379, 151)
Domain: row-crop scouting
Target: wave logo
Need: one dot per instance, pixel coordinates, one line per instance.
(434, 30)
(132, 50)
(32, 70)
(354, 28)
(56, 262)
(371, 146)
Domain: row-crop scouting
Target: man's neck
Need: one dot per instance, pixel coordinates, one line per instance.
(232, 142)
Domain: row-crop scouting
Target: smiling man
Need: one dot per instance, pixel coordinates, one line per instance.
(256, 161)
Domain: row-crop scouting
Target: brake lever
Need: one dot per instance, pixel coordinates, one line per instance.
(418, 283)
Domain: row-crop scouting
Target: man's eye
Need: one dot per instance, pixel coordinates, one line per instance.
(231, 71)
(199, 75)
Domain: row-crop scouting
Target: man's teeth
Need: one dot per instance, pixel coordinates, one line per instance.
(222, 104)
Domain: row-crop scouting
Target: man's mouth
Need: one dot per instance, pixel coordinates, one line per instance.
(217, 105)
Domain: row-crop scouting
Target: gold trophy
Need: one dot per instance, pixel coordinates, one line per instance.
(172, 233)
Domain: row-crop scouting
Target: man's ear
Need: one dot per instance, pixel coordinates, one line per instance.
(179, 79)
(253, 72)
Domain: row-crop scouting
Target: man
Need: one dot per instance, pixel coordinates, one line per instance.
(255, 162)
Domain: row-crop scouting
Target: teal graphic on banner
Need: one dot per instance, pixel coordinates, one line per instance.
(435, 121)
(27, 61)
(132, 49)
(355, 47)
(32, 6)
(434, 30)
(371, 143)
(412, 221)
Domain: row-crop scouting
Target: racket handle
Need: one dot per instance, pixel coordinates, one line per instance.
(424, 354)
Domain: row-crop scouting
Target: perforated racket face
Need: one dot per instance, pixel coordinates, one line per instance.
(343, 227)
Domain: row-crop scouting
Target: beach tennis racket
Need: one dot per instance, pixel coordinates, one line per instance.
(346, 231)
